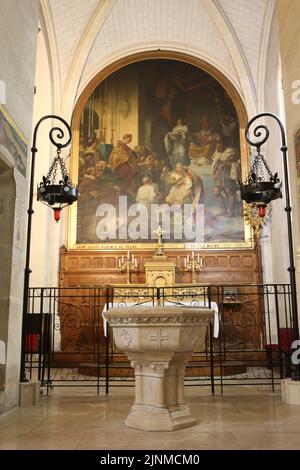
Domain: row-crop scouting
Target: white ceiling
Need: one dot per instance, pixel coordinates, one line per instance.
(88, 33)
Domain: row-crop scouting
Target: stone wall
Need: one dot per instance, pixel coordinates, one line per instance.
(289, 30)
(18, 32)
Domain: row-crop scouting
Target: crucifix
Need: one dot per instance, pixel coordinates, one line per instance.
(159, 233)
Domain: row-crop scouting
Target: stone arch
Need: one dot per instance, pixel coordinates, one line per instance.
(231, 88)
(84, 67)
(48, 31)
(155, 49)
(265, 39)
(238, 56)
(83, 49)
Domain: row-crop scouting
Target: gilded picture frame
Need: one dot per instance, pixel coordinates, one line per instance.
(230, 90)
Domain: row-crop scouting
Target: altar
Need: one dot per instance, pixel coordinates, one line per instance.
(165, 277)
(160, 289)
(156, 279)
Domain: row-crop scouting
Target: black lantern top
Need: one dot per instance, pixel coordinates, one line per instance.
(61, 193)
(261, 185)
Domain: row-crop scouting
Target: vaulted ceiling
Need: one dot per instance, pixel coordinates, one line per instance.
(85, 35)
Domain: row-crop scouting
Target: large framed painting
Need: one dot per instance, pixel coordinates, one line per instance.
(158, 144)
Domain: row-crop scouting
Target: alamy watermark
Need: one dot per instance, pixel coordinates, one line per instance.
(2, 92)
(139, 221)
(296, 353)
(296, 93)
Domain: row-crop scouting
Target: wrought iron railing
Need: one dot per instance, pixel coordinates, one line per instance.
(66, 343)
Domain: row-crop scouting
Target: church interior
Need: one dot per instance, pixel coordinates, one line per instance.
(150, 224)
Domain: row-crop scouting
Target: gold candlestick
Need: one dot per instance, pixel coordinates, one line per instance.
(128, 265)
(193, 265)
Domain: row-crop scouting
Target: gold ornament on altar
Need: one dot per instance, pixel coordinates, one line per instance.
(160, 247)
(192, 264)
(252, 217)
(128, 264)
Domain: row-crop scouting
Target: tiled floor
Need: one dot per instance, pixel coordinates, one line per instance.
(243, 418)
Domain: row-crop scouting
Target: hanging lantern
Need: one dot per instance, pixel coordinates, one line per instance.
(261, 186)
(59, 194)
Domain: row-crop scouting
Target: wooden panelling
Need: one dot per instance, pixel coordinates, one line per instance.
(222, 261)
(97, 262)
(86, 268)
(92, 268)
(235, 261)
(84, 262)
(248, 261)
(72, 262)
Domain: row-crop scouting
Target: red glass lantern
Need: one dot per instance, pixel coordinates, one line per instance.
(57, 213)
(262, 211)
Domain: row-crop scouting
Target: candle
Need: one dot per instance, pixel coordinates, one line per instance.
(135, 262)
(132, 258)
(198, 258)
(188, 258)
(192, 255)
(128, 255)
(184, 262)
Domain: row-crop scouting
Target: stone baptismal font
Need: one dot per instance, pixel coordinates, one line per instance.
(159, 342)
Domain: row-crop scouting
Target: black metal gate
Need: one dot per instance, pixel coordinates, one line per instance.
(66, 345)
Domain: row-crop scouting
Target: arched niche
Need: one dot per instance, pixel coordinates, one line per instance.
(7, 215)
(108, 133)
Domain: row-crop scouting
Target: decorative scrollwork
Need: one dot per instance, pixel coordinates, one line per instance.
(160, 319)
(257, 133)
(57, 133)
(262, 129)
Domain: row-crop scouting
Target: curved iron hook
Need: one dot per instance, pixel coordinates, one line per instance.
(54, 133)
(261, 127)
